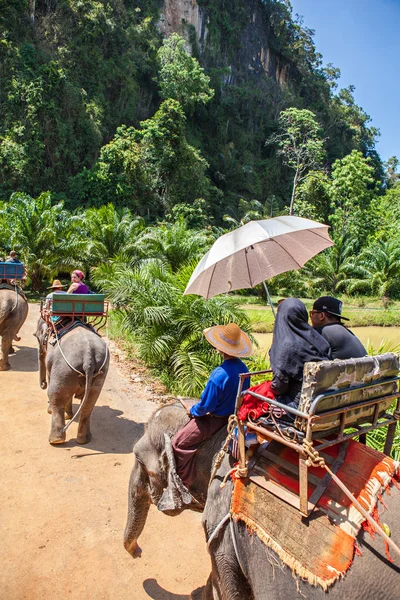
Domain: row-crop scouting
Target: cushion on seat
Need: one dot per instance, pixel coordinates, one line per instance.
(342, 375)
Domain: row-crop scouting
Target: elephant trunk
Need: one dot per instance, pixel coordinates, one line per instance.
(138, 508)
(42, 369)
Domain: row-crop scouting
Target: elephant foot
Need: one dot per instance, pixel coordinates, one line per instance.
(69, 415)
(17, 338)
(57, 439)
(4, 367)
(11, 350)
(84, 439)
(133, 548)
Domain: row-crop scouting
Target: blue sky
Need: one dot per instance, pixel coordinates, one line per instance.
(362, 39)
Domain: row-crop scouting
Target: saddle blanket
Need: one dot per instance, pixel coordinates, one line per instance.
(319, 549)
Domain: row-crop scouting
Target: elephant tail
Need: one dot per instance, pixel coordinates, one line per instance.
(88, 384)
(89, 374)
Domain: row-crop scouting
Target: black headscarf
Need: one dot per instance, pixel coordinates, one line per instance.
(295, 342)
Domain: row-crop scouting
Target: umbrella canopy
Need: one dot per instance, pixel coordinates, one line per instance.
(255, 252)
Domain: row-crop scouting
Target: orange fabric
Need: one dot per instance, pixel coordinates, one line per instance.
(366, 473)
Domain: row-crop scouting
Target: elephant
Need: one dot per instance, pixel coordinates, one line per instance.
(77, 366)
(13, 312)
(242, 567)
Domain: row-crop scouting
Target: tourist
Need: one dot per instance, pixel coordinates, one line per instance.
(326, 318)
(77, 286)
(294, 343)
(218, 399)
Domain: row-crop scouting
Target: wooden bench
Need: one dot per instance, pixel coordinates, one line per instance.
(340, 400)
(11, 270)
(89, 307)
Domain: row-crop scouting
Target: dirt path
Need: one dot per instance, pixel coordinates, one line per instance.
(63, 508)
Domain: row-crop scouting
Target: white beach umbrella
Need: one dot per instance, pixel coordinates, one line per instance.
(255, 252)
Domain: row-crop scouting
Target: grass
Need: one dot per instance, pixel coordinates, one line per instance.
(362, 312)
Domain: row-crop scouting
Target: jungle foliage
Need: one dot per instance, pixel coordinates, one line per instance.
(97, 107)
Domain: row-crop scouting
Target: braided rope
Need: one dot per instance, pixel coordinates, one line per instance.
(232, 423)
(315, 460)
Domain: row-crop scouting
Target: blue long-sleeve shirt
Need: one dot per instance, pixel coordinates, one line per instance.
(219, 395)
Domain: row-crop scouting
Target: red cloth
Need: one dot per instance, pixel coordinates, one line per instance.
(254, 406)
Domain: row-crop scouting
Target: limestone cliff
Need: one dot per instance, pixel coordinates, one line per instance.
(252, 54)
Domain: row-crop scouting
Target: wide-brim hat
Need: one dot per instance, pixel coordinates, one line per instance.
(56, 284)
(230, 339)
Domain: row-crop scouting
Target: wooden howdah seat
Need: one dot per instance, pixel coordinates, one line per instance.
(11, 270)
(88, 308)
(340, 400)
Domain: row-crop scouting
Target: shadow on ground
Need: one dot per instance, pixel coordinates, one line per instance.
(111, 433)
(155, 591)
(25, 359)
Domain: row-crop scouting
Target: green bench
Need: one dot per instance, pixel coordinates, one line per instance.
(78, 305)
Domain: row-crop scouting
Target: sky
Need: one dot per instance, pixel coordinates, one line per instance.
(362, 39)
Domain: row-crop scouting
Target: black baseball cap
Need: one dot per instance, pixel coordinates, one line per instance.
(330, 305)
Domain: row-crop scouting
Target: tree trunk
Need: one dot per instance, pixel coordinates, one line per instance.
(296, 177)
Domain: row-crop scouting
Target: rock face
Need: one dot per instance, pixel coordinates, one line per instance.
(176, 14)
(254, 54)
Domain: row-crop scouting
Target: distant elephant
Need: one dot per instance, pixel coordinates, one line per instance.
(260, 575)
(84, 376)
(13, 312)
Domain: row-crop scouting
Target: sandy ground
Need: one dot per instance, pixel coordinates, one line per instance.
(63, 508)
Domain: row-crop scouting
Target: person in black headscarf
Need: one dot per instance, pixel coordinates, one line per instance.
(294, 343)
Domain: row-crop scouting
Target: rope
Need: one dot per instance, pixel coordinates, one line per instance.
(64, 429)
(16, 303)
(315, 460)
(217, 529)
(232, 423)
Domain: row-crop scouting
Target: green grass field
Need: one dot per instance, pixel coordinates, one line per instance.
(362, 312)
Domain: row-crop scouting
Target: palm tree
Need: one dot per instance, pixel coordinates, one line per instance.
(329, 271)
(167, 326)
(173, 243)
(45, 235)
(110, 230)
(376, 269)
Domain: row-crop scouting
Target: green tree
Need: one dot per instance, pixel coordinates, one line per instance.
(352, 191)
(180, 75)
(46, 236)
(376, 270)
(174, 244)
(166, 326)
(110, 231)
(391, 171)
(299, 144)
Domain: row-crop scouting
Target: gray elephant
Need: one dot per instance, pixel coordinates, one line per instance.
(77, 366)
(13, 312)
(250, 571)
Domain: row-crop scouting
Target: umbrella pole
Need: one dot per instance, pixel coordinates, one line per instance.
(269, 298)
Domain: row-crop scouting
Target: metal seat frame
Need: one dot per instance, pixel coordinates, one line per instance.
(97, 319)
(294, 438)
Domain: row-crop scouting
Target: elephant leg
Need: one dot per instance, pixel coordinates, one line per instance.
(56, 408)
(6, 341)
(84, 435)
(138, 508)
(68, 409)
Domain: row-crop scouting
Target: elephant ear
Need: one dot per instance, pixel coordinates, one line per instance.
(176, 495)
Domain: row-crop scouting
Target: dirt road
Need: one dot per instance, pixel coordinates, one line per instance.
(63, 508)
